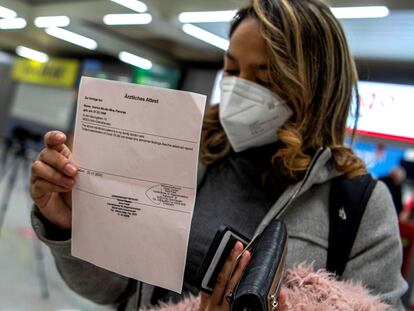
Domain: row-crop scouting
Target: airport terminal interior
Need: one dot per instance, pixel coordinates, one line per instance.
(46, 46)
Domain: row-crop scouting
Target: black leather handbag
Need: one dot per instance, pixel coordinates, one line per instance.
(258, 288)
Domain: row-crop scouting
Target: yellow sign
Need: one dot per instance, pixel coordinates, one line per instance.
(56, 72)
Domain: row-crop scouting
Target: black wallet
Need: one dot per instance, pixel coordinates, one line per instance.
(259, 286)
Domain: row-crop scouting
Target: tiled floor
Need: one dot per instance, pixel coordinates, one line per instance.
(20, 287)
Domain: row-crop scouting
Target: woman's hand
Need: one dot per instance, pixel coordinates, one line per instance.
(225, 283)
(52, 180)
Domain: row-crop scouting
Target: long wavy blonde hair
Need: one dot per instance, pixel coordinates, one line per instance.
(313, 71)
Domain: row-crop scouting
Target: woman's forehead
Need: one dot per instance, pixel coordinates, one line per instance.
(247, 43)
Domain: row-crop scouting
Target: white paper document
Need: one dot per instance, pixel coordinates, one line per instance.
(137, 151)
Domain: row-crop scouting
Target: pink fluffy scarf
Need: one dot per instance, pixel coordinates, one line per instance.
(307, 290)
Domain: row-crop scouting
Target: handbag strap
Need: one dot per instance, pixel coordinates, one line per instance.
(274, 213)
(348, 198)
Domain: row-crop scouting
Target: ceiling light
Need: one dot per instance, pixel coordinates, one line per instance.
(72, 37)
(127, 19)
(361, 12)
(7, 13)
(206, 17)
(134, 5)
(206, 36)
(13, 23)
(51, 21)
(32, 54)
(135, 60)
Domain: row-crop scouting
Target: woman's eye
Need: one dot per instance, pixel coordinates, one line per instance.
(263, 83)
(231, 72)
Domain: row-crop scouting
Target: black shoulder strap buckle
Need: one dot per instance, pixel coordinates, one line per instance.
(348, 198)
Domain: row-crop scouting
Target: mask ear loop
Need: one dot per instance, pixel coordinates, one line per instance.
(357, 99)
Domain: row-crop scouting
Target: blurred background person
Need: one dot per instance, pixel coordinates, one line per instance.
(394, 182)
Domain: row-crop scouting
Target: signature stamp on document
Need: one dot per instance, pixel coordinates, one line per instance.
(167, 195)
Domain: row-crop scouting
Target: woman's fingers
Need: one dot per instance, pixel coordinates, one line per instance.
(204, 301)
(53, 171)
(232, 283)
(282, 302)
(55, 140)
(41, 170)
(226, 281)
(58, 161)
(224, 276)
(44, 171)
(52, 179)
(41, 187)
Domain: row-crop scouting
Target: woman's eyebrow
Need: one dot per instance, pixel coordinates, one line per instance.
(258, 66)
(263, 67)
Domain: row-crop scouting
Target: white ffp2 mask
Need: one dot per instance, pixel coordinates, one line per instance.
(250, 114)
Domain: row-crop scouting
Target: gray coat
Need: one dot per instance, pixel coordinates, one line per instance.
(375, 259)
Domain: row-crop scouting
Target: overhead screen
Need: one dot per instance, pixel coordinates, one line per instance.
(51, 107)
(386, 111)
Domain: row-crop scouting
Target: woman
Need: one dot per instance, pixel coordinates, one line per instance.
(292, 54)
